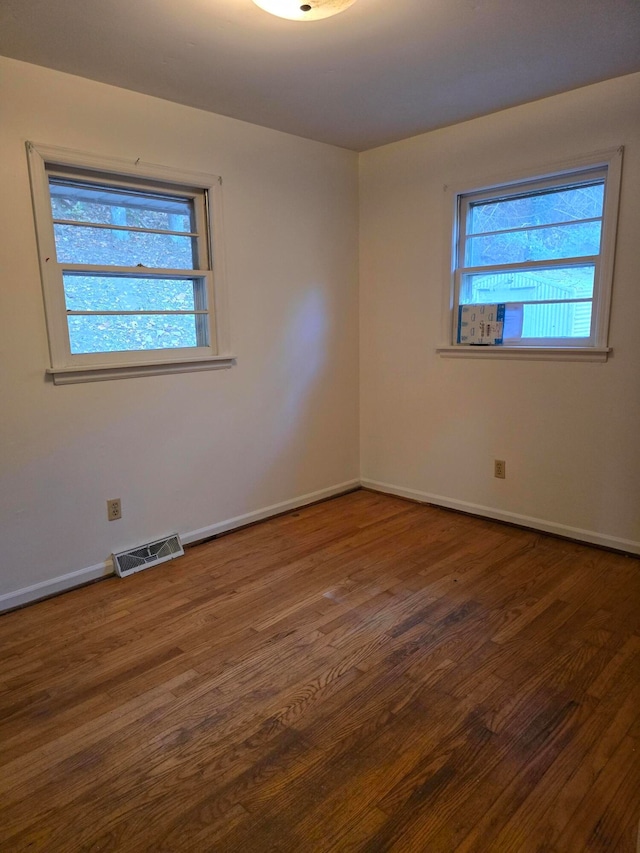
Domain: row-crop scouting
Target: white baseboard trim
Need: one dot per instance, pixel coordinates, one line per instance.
(45, 589)
(62, 583)
(268, 511)
(588, 536)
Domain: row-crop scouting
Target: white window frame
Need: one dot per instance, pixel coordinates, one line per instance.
(457, 198)
(206, 193)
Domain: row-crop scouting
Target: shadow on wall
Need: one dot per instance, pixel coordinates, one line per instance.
(296, 418)
(305, 340)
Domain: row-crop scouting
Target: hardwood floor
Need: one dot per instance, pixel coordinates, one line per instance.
(365, 674)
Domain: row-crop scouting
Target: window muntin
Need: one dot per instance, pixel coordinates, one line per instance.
(544, 249)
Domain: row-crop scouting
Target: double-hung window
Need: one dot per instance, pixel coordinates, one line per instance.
(539, 251)
(127, 261)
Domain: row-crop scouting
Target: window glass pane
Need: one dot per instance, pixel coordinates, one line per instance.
(110, 206)
(528, 285)
(540, 244)
(77, 244)
(544, 208)
(563, 320)
(126, 333)
(117, 293)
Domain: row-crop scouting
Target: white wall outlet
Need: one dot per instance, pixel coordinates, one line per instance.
(500, 469)
(114, 509)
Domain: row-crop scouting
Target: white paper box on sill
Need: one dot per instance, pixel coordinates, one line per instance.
(481, 324)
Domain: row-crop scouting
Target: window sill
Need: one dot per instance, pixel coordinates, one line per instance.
(599, 354)
(101, 372)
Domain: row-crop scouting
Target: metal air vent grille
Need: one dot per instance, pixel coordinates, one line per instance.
(145, 556)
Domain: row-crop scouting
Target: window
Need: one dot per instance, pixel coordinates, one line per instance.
(127, 260)
(541, 249)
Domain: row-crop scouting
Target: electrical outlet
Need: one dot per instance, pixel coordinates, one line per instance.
(500, 469)
(114, 509)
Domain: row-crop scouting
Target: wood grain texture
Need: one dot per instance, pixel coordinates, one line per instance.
(365, 674)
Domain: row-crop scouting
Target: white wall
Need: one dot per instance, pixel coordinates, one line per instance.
(191, 451)
(431, 426)
(188, 451)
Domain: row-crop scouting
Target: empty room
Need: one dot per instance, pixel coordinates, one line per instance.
(319, 445)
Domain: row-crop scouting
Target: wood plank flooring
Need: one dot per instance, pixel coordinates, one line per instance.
(365, 674)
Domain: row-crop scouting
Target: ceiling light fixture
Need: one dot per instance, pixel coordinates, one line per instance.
(298, 10)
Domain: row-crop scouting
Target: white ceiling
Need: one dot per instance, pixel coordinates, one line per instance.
(382, 70)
